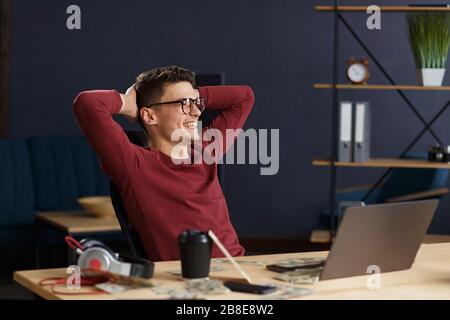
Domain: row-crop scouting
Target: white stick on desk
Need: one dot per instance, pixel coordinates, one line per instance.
(228, 255)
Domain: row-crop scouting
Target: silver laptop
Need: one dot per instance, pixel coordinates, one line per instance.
(385, 235)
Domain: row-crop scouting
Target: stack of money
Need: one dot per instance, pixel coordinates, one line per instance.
(300, 262)
(193, 289)
(242, 262)
(301, 276)
(206, 287)
(183, 294)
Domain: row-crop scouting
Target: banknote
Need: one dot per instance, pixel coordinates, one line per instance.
(183, 294)
(243, 262)
(193, 289)
(110, 287)
(300, 262)
(206, 286)
(301, 276)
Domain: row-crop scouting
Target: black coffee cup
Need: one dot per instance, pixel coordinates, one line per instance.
(195, 253)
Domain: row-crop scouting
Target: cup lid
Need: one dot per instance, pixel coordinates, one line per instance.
(193, 235)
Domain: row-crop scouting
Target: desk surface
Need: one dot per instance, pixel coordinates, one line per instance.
(74, 222)
(429, 278)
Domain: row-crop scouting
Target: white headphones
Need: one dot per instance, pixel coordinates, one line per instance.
(95, 255)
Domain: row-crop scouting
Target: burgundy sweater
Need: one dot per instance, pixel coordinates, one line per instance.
(162, 198)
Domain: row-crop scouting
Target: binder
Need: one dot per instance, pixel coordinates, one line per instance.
(345, 131)
(361, 144)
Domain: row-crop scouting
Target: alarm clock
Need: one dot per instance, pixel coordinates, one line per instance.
(357, 70)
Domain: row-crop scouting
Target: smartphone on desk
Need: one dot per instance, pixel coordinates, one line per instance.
(249, 288)
(281, 269)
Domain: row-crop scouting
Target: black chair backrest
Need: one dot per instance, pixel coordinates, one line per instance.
(132, 238)
(212, 79)
(131, 235)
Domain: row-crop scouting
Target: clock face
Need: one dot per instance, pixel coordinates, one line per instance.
(357, 72)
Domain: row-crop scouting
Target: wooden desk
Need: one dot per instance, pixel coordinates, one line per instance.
(73, 222)
(429, 278)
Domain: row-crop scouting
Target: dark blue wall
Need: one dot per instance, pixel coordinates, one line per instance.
(279, 48)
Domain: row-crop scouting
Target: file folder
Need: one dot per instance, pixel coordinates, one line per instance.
(345, 131)
(361, 145)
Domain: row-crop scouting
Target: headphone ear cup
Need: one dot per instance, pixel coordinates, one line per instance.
(96, 258)
(88, 243)
(112, 253)
(91, 243)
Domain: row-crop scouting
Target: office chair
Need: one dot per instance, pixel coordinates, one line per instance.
(212, 79)
(138, 138)
(132, 238)
(131, 235)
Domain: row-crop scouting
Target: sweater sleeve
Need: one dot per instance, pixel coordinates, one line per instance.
(93, 111)
(234, 104)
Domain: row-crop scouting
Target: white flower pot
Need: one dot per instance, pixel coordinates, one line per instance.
(430, 77)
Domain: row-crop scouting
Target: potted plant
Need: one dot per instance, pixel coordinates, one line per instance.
(429, 36)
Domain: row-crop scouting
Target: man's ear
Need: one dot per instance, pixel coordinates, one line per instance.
(149, 116)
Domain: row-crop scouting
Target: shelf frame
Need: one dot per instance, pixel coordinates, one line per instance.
(338, 17)
(348, 86)
(382, 9)
(334, 123)
(427, 125)
(386, 163)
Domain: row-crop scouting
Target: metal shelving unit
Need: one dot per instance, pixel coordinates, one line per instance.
(392, 85)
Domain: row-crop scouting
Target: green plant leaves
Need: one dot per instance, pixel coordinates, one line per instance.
(429, 36)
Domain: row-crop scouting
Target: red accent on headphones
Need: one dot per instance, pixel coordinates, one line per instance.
(95, 264)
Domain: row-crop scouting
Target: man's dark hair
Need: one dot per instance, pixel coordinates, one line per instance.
(150, 84)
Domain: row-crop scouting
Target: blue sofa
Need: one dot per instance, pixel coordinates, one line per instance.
(64, 169)
(16, 194)
(44, 174)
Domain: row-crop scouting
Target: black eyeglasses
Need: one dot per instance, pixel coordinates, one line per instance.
(187, 104)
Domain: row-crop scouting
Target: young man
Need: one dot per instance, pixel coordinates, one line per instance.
(164, 197)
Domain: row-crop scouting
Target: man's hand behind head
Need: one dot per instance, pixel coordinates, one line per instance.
(129, 106)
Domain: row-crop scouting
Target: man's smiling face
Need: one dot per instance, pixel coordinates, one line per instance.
(170, 117)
